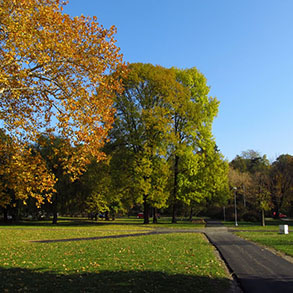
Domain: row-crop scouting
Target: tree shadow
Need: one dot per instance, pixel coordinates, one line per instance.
(26, 280)
(68, 223)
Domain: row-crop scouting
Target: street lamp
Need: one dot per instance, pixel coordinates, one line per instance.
(235, 206)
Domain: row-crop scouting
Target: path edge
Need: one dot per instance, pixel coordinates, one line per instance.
(235, 286)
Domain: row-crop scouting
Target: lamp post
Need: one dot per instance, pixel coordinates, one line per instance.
(235, 206)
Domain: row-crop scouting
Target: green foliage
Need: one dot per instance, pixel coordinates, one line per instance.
(200, 172)
(250, 161)
(142, 127)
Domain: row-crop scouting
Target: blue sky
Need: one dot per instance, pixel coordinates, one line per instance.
(243, 47)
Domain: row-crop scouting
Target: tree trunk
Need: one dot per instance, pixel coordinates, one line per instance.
(190, 214)
(146, 214)
(107, 218)
(5, 212)
(174, 211)
(55, 212)
(263, 223)
(55, 217)
(155, 219)
(17, 211)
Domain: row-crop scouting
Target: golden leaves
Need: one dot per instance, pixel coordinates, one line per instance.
(57, 75)
(23, 173)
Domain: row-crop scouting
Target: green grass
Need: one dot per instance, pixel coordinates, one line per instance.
(268, 236)
(280, 242)
(271, 225)
(181, 262)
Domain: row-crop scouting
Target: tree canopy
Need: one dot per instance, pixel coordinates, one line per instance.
(58, 75)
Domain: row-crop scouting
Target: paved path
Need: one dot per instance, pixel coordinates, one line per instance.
(257, 269)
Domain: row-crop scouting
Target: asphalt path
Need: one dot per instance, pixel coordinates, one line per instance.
(256, 268)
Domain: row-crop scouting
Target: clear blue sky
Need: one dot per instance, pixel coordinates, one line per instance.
(243, 47)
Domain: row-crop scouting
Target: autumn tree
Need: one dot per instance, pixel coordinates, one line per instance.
(58, 75)
(250, 175)
(23, 173)
(282, 182)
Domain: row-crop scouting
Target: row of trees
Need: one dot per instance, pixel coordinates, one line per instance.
(265, 187)
(160, 151)
(163, 134)
(62, 85)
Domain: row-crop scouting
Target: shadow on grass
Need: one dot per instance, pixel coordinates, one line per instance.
(83, 222)
(25, 280)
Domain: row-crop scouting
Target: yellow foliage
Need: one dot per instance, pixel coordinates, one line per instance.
(57, 75)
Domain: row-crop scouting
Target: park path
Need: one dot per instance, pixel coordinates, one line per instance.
(256, 268)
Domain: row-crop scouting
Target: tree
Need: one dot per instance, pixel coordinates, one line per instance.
(250, 161)
(193, 150)
(23, 173)
(57, 75)
(142, 127)
(97, 190)
(282, 182)
(56, 152)
(164, 117)
(262, 193)
(249, 173)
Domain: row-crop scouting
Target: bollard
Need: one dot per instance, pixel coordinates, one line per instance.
(283, 229)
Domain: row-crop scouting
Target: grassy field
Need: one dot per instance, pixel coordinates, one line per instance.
(271, 225)
(181, 262)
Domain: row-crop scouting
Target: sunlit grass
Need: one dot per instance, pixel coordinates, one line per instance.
(280, 242)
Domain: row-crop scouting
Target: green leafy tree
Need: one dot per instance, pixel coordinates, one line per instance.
(57, 151)
(195, 161)
(250, 161)
(142, 127)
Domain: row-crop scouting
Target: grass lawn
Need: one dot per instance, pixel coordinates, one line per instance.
(271, 224)
(280, 242)
(181, 262)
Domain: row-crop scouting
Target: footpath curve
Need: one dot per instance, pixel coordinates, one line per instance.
(257, 269)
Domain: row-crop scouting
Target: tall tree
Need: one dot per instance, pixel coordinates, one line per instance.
(57, 75)
(142, 126)
(193, 148)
